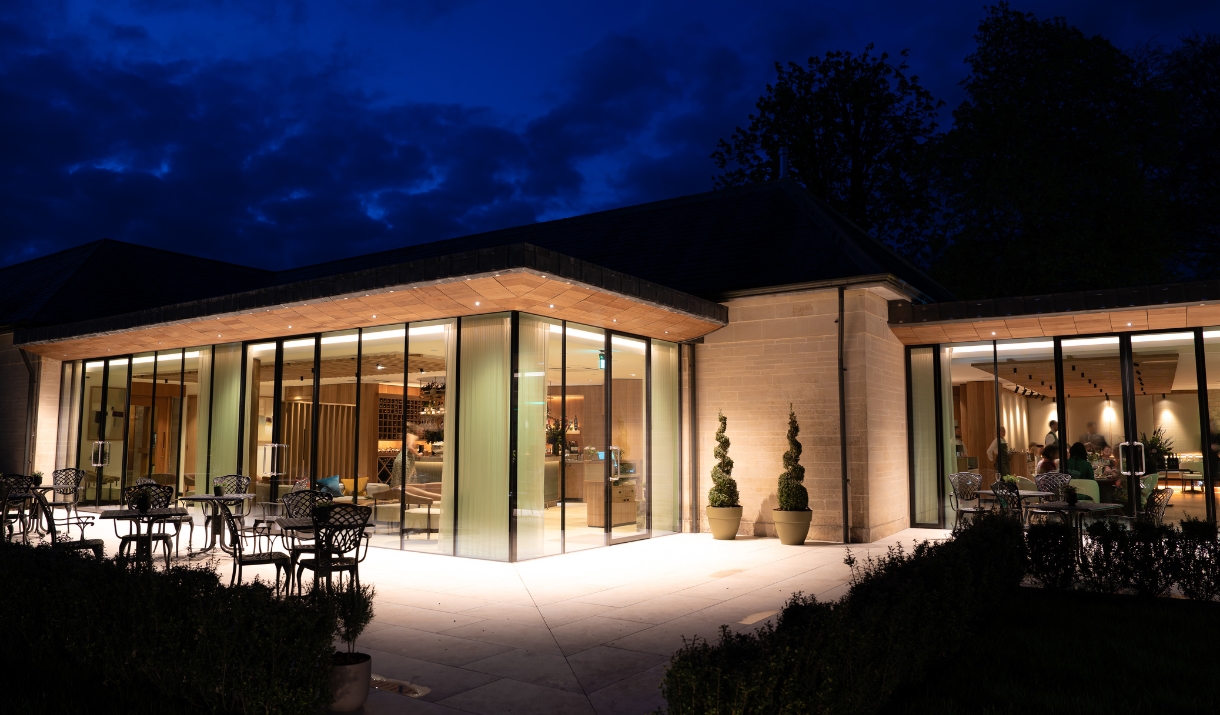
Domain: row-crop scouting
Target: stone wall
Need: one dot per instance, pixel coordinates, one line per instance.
(780, 349)
(47, 428)
(14, 403)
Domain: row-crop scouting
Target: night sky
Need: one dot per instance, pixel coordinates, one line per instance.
(277, 134)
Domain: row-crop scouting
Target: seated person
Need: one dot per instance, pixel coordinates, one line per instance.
(1077, 463)
(1050, 455)
(1109, 465)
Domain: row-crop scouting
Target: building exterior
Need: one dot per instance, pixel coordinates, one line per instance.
(554, 387)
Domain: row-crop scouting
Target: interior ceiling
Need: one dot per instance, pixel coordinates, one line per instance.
(1084, 377)
(525, 291)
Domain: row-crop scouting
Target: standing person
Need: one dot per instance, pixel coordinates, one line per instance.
(1052, 436)
(1093, 442)
(998, 452)
(1050, 456)
(957, 441)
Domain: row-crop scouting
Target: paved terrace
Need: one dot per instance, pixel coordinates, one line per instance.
(587, 632)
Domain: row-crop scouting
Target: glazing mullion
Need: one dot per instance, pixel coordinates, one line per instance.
(152, 421)
(276, 456)
(356, 425)
(402, 478)
(648, 435)
(514, 345)
(181, 427)
(126, 429)
(315, 417)
(563, 438)
(457, 427)
(1205, 426)
(607, 387)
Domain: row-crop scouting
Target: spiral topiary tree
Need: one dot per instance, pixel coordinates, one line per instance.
(792, 493)
(724, 490)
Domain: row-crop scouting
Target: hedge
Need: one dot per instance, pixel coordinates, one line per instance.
(170, 640)
(902, 613)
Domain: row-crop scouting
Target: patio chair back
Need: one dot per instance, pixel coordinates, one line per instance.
(300, 485)
(1053, 482)
(19, 483)
(67, 481)
(1008, 497)
(339, 527)
(1154, 508)
(142, 481)
(232, 484)
(159, 497)
(965, 485)
(301, 504)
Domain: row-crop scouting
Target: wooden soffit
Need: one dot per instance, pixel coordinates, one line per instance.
(1059, 324)
(525, 290)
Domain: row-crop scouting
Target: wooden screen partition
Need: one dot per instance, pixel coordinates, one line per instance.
(336, 440)
(295, 433)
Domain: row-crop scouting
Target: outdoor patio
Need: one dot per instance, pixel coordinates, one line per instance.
(586, 632)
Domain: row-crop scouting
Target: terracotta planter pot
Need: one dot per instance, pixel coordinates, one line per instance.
(792, 526)
(351, 676)
(724, 521)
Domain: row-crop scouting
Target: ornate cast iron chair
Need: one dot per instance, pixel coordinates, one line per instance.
(235, 484)
(339, 530)
(97, 546)
(16, 504)
(236, 548)
(1008, 499)
(67, 489)
(1053, 482)
(965, 488)
(159, 497)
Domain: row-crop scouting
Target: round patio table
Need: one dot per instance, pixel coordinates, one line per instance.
(143, 539)
(213, 502)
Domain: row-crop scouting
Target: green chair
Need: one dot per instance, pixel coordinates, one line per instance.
(1086, 489)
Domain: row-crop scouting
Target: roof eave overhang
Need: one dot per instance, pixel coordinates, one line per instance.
(578, 290)
(886, 285)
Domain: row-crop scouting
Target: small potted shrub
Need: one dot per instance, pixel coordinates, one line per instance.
(351, 673)
(723, 511)
(793, 516)
(1070, 495)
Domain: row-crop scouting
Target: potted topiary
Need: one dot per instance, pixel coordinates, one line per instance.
(351, 673)
(793, 516)
(723, 511)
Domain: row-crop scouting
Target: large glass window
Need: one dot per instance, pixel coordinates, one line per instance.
(226, 397)
(585, 433)
(295, 458)
(1167, 418)
(92, 422)
(483, 438)
(141, 436)
(1028, 409)
(115, 423)
(539, 374)
(69, 414)
(925, 473)
(197, 382)
(338, 406)
(381, 426)
(628, 450)
(666, 484)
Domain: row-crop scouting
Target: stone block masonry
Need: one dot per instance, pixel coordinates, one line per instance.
(782, 348)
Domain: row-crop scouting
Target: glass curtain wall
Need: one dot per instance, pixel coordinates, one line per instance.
(594, 459)
(628, 450)
(1094, 417)
(666, 482)
(1028, 406)
(483, 438)
(584, 410)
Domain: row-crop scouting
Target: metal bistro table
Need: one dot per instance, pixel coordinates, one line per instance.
(213, 502)
(148, 518)
(1077, 512)
(1022, 494)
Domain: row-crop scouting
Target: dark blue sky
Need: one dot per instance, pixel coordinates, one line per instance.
(282, 133)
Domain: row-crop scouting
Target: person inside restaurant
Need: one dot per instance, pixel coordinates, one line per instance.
(1092, 440)
(1051, 437)
(1107, 462)
(998, 452)
(1077, 463)
(1050, 458)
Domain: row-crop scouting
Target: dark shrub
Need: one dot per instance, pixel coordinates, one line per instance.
(1052, 554)
(1197, 570)
(903, 611)
(1150, 559)
(1102, 558)
(177, 638)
